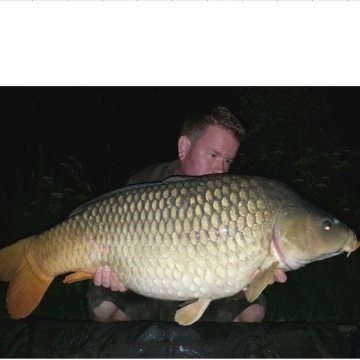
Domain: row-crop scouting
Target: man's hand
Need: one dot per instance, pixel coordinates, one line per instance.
(105, 277)
(279, 276)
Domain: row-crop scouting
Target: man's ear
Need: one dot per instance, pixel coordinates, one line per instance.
(183, 146)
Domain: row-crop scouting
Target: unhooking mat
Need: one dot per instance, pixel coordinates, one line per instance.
(44, 338)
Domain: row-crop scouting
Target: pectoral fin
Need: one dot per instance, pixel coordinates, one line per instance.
(190, 313)
(260, 282)
(77, 276)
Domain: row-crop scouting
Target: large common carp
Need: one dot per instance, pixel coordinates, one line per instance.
(194, 238)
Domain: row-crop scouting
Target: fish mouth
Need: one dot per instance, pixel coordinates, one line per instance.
(351, 246)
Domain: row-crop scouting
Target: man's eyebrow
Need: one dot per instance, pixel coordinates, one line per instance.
(214, 151)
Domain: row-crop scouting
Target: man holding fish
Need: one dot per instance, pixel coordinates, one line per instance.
(199, 240)
(208, 144)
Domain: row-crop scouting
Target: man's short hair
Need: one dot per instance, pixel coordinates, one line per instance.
(195, 126)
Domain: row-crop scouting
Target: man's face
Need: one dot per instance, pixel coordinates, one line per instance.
(213, 153)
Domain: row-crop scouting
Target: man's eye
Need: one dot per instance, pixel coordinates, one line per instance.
(213, 155)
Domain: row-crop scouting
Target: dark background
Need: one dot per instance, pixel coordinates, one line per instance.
(61, 146)
(114, 131)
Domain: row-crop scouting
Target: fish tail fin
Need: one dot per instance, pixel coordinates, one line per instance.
(26, 287)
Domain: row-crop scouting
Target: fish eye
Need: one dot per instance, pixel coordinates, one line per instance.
(327, 225)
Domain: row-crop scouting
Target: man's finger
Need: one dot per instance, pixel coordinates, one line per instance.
(97, 276)
(280, 276)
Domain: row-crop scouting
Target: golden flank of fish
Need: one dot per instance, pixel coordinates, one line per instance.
(193, 238)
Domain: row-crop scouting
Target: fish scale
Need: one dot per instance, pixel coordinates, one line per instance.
(181, 222)
(186, 238)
